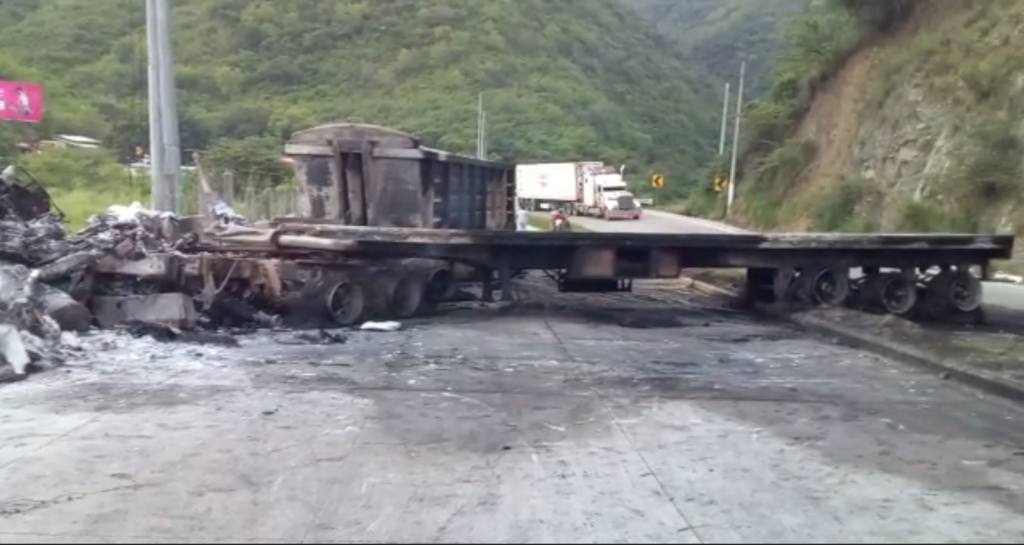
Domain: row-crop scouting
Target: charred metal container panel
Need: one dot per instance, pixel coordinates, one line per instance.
(376, 176)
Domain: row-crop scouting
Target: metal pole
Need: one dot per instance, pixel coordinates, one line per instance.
(483, 135)
(480, 126)
(169, 110)
(736, 140)
(725, 121)
(156, 132)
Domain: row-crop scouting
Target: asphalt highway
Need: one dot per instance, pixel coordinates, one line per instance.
(659, 417)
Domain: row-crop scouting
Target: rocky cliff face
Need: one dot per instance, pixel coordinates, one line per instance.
(920, 129)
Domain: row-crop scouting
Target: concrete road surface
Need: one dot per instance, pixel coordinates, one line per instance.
(998, 294)
(655, 221)
(694, 425)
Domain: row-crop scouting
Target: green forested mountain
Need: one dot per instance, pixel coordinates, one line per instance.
(718, 34)
(561, 80)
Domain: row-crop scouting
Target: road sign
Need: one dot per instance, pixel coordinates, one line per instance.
(657, 180)
(720, 183)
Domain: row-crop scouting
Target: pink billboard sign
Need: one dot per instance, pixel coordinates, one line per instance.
(21, 101)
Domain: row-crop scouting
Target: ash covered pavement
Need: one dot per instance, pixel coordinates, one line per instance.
(545, 422)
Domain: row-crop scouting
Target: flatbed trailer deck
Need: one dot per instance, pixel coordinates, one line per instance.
(899, 270)
(544, 250)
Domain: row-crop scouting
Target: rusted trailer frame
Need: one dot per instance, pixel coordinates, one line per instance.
(808, 266)
(622, 253)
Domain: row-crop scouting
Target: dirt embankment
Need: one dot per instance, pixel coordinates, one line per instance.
(909, 133)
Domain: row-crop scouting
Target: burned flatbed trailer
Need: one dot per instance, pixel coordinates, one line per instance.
(389, 227)
(899, 270)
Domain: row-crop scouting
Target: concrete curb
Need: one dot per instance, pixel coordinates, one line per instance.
(976, 378)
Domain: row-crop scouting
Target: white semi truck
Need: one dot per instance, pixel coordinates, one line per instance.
(581, 189)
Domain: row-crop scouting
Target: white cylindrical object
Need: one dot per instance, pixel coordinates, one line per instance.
(736, 141)
(156, 133)
(168, 109)
(725, 121)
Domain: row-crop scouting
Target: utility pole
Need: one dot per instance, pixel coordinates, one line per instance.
(480, 126)
(725, 121)
(169, 109)
(483, 135)
(156, 132)
(165, 148)
(736, 140)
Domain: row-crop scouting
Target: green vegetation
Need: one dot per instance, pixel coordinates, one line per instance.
(560, 80)
(83, 182)
(719, 34)
(851, 205)
(816, 43)
(969, 56)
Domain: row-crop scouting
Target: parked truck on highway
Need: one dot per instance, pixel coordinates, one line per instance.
(580, 188)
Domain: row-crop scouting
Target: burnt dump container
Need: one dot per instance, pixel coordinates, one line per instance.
(376, 176)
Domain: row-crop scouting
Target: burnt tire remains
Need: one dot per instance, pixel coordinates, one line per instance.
(827, 285)
(345, 302)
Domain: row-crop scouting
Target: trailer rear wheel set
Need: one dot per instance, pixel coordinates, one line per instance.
(351, 298)
(323, 294)
(936, 293)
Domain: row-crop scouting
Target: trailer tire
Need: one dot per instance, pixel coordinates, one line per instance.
(828, 285)
(965, 291)
(894, 292)
(440, 284)
(951, 291)
(345, 302)
(407, 297)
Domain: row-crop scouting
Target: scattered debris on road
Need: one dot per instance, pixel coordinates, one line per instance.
(180, 279)
(381, 326)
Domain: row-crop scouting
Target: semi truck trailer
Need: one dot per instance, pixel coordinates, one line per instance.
(586, 188)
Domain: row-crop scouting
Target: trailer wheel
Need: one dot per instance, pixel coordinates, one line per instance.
(965, 291)
(952, 290)
(345, 301)
(440, 284)
(407, 296)
(896, 292)
(828, 285)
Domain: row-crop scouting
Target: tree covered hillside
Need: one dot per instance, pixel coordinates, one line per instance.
(718, 34)
(573, 79)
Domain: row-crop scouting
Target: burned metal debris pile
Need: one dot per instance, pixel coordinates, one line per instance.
(160, 275)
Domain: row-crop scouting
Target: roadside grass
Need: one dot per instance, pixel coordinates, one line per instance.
(79, 203)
